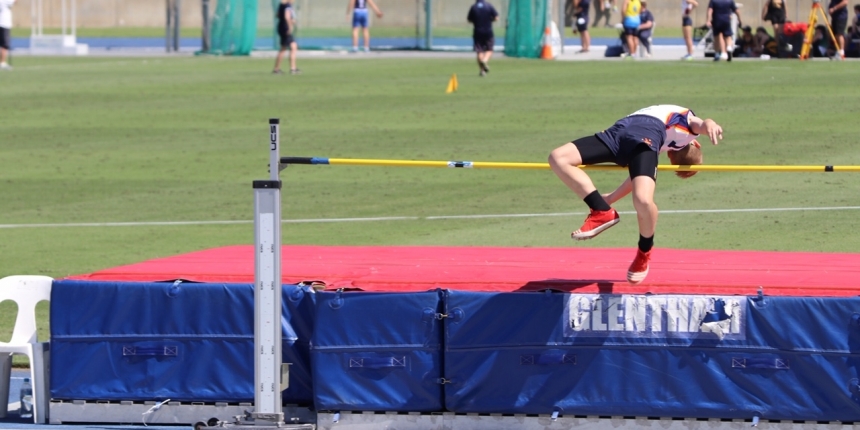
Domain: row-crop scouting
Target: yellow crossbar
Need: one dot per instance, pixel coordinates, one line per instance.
(545, 166)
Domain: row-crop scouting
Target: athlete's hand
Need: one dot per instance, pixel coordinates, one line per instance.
(713, 130)
(379, 14)
(607, 197)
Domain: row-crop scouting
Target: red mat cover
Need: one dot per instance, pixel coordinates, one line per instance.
(585, 270)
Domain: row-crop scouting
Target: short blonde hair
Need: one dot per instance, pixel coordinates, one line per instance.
(690, 155)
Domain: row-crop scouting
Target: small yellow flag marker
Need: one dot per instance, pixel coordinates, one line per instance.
(452, 84)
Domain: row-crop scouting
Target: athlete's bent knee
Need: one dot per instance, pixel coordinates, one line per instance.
(565, 154)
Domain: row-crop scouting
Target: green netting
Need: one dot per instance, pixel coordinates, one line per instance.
(234, 27)
(526, 24)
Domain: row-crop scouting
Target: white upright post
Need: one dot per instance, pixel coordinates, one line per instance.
(63, 19)
(64, 43)
(267, 289)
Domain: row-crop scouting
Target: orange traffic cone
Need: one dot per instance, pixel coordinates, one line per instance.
(546, 51)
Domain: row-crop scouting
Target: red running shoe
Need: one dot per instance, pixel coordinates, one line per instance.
(639, 267)
(596, 223)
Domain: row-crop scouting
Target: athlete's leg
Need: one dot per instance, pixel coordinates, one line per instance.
(643, 174)
(643, 202)
(279, 59)
(719, 44)
(293, 49)
(355, 38)
(565, 161)
(366, 38)
(688, 38)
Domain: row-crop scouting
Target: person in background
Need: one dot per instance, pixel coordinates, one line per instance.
(774, 11)
(636, 142)
(286, 32)
(687, 7)
(854, 30)
(482, 15)
(5, 32)
(720, 20)
(580, 24)
(630, 24)
(853, 48)
(821, 45)
(838, 10)
(357, 9)
(745, 44)
(764, 43)
(603, 9)
(646, 26)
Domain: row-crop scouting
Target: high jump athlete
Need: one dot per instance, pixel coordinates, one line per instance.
(634, 141)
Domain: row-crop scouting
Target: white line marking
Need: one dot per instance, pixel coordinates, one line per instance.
(414, 218)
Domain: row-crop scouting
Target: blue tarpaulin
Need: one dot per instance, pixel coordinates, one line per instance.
(703, 356)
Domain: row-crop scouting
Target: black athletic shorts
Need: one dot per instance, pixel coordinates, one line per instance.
(483, 42)
(581, 26)
(686, 21)
(722, 27)
(641, 161)
(286, 39)
(5, 38)
(838, 25)
(776, 16)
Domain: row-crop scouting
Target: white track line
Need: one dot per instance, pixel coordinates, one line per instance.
(413, 218)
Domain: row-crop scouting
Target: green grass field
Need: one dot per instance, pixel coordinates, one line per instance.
(111, 140)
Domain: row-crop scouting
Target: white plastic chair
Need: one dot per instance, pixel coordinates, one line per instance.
(26, 292)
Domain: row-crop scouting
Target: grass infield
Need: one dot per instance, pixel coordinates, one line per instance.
(88, 140)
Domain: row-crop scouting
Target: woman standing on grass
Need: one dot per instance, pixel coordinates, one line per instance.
(631, 22)
(687, 7)
(774, 11)
(286, 31)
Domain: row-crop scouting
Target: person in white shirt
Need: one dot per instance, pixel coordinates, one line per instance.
(634, 141)
(5, 32)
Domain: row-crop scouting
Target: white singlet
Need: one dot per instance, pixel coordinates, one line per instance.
(677, 120)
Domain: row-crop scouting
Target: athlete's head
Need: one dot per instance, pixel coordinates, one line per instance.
(689, 155)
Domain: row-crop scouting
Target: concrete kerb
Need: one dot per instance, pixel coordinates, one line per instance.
(570, 53)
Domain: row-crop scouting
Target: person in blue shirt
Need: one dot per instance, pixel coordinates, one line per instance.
(646, 26)
(357, 10)
(838, 22)
(720, 20)
(482, 15)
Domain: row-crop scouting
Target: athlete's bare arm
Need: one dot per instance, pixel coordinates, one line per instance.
(624, 189)
(375, 9)
(707, 127)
